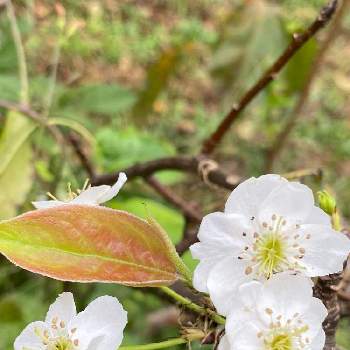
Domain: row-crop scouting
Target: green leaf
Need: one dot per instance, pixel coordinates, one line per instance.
(189, 261)
(102, 99)
(117, 149)
(298, 68)
(84, 243)
(15, 133)
(15, 163)
(171, 220)
(9, 87)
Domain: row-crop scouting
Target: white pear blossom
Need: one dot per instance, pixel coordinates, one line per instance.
(99, 327)
(93, 195)
(279, 314)
(270, 225)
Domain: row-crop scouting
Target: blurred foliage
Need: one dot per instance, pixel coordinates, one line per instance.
(141, 80)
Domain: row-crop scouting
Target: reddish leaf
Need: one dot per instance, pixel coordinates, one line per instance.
(89, 243)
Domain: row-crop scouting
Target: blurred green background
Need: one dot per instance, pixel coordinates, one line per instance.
(139, 80)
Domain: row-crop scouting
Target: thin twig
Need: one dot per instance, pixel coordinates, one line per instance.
(190, 237)
(75, 142)
(22, 64)
(173, 198)
(276, 148)
(298, 41)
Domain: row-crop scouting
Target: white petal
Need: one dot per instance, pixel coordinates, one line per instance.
(319, 217)
(28, 339)
(223, 282)
(246, 337)
(224, 343)
(292, 200)
(313, 316)
(222, 229)
(325, 251)
(201, 273)
(220, 236)
(318, 341)
(62, 309)
(47, 204)
(286, 295)
(91, 195)
(249, 293)
(113, 191)
(246, 197)
(104, 317)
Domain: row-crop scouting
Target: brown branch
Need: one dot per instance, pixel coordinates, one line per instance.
(298, 41)
(75, 142)
(324, 290)
(213, 175)
(275, 150)
(173, 198)
(327, 289)
(190, 237)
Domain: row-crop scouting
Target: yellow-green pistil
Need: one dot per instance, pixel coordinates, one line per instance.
(270, 253)
(280, 342)
(61, 344)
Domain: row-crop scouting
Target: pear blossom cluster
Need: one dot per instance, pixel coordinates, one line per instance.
(256, 260)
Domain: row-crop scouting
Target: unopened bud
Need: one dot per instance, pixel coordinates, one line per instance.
(327, 202)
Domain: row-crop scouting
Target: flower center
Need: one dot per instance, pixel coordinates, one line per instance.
(270, 253)
(280, 342)
(61, 344)
(273, 247)
(285, 334)
(57, 337)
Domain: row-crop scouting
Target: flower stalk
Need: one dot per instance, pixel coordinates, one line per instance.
(152, 346)
(189, 304)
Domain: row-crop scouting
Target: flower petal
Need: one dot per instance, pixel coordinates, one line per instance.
(319, 340)
(246, 337)
(224, 229)
(220, 236)
(223, 281)
(47, 204)
(91, 195)
(293, 201)
(63, 309)
(201, 273)
(104, 317)
(325, 250)
(246, 197)
(224, 343)
(314, 316)
(319, 217)
(29, 340)
(286, 295)
(113, 191)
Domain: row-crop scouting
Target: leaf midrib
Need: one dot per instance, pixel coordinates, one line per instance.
(115, 260)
